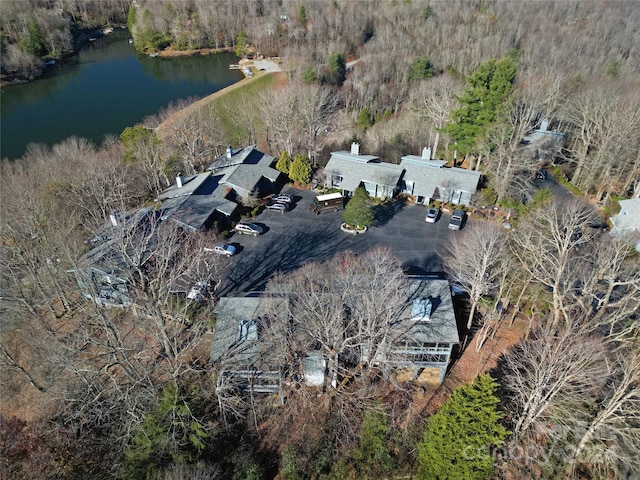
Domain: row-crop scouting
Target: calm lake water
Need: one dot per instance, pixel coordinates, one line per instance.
(107, 88)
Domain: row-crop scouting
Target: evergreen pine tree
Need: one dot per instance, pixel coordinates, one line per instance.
(34, 42)
(284, 163)
(358, 211)
(421, 69)
(458, 436)
(373, 456)
(241, 44)
(337, 69)
(301, 169)
(489, 88)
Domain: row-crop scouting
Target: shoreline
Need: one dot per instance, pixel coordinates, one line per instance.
(81, 38)
(171, 52)
(164, 126)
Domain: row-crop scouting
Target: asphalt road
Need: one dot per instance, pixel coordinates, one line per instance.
(297, 237)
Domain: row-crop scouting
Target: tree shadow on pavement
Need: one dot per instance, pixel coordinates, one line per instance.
(384, 213)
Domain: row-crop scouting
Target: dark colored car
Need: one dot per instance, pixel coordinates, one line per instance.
(457, 220)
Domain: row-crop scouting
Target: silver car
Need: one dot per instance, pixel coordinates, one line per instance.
(282, 198)
(432, 215)
(278, 207)
(248, 229)
(221, 249)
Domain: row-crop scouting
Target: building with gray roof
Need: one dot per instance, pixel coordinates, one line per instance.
(429, 180)
(246, 171)
(102, 272)
(427, 333)
(192, 202)
(417, 176)
(422, 340)
(350, 170)
(243, 359)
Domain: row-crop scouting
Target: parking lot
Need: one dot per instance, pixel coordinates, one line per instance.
(297, 237)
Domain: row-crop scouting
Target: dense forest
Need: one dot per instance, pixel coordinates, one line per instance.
(92, 392)
(37, 32)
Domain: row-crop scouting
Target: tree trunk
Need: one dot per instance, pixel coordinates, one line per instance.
(474, 304)
(15, 365)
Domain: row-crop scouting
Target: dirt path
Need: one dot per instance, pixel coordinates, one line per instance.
(469, 366)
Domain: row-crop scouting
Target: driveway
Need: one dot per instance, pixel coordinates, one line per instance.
(297, 237)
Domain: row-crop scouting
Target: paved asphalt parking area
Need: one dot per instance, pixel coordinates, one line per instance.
(297, 237)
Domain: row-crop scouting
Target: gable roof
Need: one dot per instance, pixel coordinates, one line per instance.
(441, 326)
(104, 255)
(357, 168)
(428, 175)
(195, 201)
(237, 330)
(233, 312)
(244, 169)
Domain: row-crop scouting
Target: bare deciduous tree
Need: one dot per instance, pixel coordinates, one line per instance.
(609, 293)
(347, 307)
(611, 437)
(549, 375)
(549, 243)
(474, 259)
(435, 100)
(195, 135)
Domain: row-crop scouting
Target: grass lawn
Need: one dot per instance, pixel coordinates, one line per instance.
(560, 178)
(228, 103)
(233, 99)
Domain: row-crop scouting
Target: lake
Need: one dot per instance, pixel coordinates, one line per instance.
(102, 90)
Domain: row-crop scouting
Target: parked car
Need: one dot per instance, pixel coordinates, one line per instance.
(278, 207)
(541, 176)
(282, 198)
(457, 220)
(432, 215)
(221, 249)
(198, 292)
(248, 229)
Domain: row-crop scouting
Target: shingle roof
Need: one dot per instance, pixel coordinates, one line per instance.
(441, 327)
(104, 255)
(233, 311)
(193, 203)
(245, 168)
(428, 175)
(236, 336)
(355, 169)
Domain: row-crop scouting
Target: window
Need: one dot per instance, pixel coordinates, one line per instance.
(248, 330)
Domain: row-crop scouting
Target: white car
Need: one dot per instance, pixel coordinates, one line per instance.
(221, 249)
(197, 292)
(432, 215)
(248, 229)
(282, 198)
